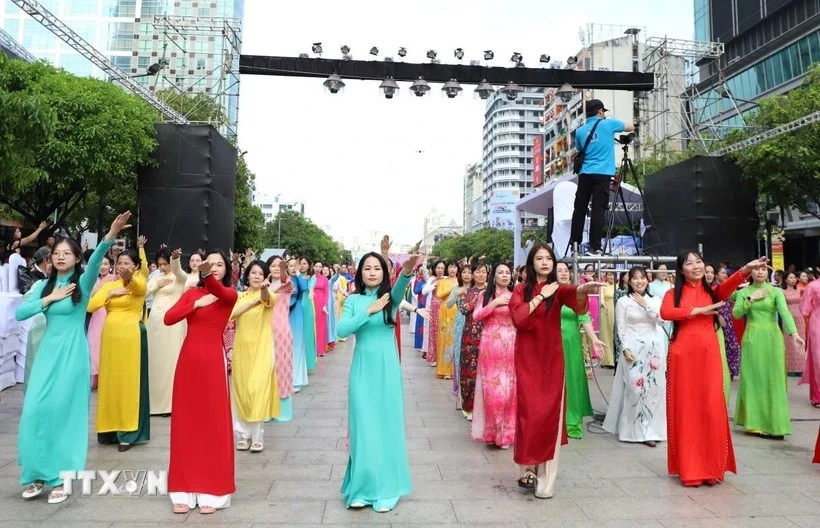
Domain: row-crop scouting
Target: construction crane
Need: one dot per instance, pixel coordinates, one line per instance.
(791, 126)
(67, 35)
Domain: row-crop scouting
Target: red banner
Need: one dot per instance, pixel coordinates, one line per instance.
(538, 161)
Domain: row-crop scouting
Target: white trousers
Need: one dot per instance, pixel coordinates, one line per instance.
(546, 472)
(252, 431)
(192, 500)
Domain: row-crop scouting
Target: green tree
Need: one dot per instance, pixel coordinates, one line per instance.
(495, 244)
(249, 222)
(196, 107)
(301, 237)
(65, 136)
(786, 168)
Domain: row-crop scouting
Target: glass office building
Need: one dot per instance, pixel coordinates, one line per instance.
(769, 47)
(133, 37)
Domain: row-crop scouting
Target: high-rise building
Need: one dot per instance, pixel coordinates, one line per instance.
(196, 42)
(473, 188)
(510, 128)
(769, 47)
(272, 205)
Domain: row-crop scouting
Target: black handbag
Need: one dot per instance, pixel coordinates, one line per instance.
(578, 159)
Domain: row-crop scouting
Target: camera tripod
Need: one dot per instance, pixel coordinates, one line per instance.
(626, 169)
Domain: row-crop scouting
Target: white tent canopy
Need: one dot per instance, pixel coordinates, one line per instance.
(542, 200)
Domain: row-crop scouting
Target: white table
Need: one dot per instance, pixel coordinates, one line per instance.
(12, 341)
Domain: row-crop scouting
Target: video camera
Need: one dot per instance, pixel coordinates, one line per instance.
(626, 139)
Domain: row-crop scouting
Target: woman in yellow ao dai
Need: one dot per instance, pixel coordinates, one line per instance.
(446, 322)
(253, 378)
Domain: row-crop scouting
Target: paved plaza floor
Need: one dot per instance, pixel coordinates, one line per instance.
(295, 482)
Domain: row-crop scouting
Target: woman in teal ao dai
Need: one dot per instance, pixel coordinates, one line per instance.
(53, 435)
(378, 472)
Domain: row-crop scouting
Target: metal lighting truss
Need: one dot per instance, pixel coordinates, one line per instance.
(669, 106)
(64, 33)
(176, 30)
(15, 47)
(791, 126)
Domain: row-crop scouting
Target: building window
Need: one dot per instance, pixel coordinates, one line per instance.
(200, 64)
(79, 7)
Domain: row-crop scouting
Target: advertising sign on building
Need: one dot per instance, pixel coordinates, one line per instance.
(502, 209)
(538, 161)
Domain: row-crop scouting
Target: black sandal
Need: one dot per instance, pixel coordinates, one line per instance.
(528, 480)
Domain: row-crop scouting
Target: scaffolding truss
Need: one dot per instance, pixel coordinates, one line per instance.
(791, 126)
(67, 35)
(219, 81)
(15, 47)
(671, 120)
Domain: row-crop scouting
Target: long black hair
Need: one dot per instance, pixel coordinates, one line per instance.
(246, 280)
(297, 287)
(163, 253)
(75, 248)
(532, 277)
(384, 287)
(632, 271)
(489, 293)
(679, 282)
(226, 279)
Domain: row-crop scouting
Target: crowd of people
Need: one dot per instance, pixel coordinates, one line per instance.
(222, 347)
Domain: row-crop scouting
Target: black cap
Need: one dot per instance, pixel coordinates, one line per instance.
(593, 106)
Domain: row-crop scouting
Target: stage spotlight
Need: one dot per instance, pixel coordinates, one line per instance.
(452, 89)
(374, 51)
(489, 55)
(317, 48)
(345, 50)
(572, 60)
(484, 89)
(420, 87)
(566, 93)
(459, 53)
(402, 52)
(431, 54)
(334, 84)
(545, 59)
(389, 87)
(511, 90)
(517, 58)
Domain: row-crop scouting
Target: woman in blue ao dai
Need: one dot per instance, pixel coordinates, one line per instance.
(53, 434)
(378, 472)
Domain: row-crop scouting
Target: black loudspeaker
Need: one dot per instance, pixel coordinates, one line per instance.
(187, 200)
(702, 201)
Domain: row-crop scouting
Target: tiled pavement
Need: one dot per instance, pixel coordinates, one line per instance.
(295, 482)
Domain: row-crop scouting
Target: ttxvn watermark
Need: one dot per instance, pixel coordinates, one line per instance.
(118, 482)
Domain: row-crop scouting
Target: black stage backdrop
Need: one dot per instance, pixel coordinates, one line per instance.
(187, 200)
(702, 200)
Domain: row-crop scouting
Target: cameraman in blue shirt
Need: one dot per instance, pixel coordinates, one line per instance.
(596, 172)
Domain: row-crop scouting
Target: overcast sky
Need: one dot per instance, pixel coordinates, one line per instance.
(362, 163)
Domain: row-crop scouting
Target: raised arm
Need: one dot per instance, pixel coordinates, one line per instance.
(728, 287)
(176, 269)
(742, 304)
(671, 313)
(138, 285)
(92, 269)
(354, 315)
(100, 297)
(397, 293)
(520, 310)
(483, 311)
(34, 235)
(182, 308)
(223, 293)
(570, 296)
(144, 267)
